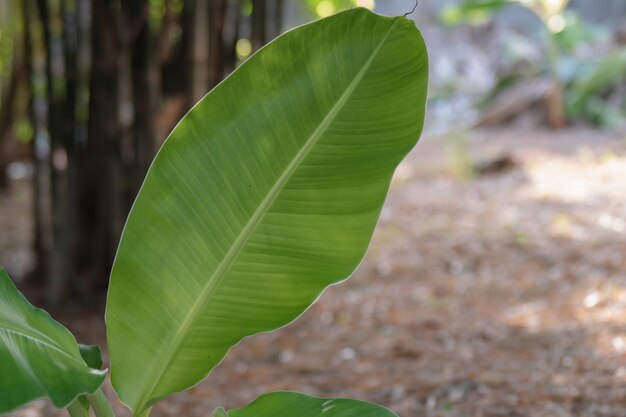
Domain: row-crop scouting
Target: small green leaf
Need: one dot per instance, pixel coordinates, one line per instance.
(293, 404)
(92, 355)
(38, 356)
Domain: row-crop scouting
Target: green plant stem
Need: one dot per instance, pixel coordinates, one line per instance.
(100, 404)
(144, 413)
(75, 409)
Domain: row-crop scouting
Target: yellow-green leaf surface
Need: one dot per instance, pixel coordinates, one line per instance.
(38, 356)
(265, 193)
(292, 404)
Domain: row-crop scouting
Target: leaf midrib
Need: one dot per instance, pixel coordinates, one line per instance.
(47, 343)
(212, 283)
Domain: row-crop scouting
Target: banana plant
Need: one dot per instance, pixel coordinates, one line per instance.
(266, 193)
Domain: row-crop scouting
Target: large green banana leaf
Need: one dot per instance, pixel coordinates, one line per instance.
(38, 356)
(293, 404)
(265, 193)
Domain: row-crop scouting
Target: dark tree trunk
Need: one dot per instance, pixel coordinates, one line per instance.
(114, 86)
(200, 54)
(274, 18)
(40, 144)
(231, 36)
(60, 35)
(144, 88)
(278, 17)
(7, 112)
(53, 172)
(217, 12)
(81, 69)
(99, 159)
(258, 27)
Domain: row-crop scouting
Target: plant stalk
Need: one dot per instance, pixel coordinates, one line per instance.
(144, 413)
(100, 404)
(75, 409)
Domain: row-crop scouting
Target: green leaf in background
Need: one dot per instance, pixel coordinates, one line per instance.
(292, 404)
(474, 12)
(265, 193)
(92, 355)
(595, 75)
(38, 356)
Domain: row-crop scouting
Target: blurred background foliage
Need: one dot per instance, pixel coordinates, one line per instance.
(495, 284)
(584, 64)
(89, 89)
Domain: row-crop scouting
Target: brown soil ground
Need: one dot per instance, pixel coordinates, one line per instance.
(497, 295)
